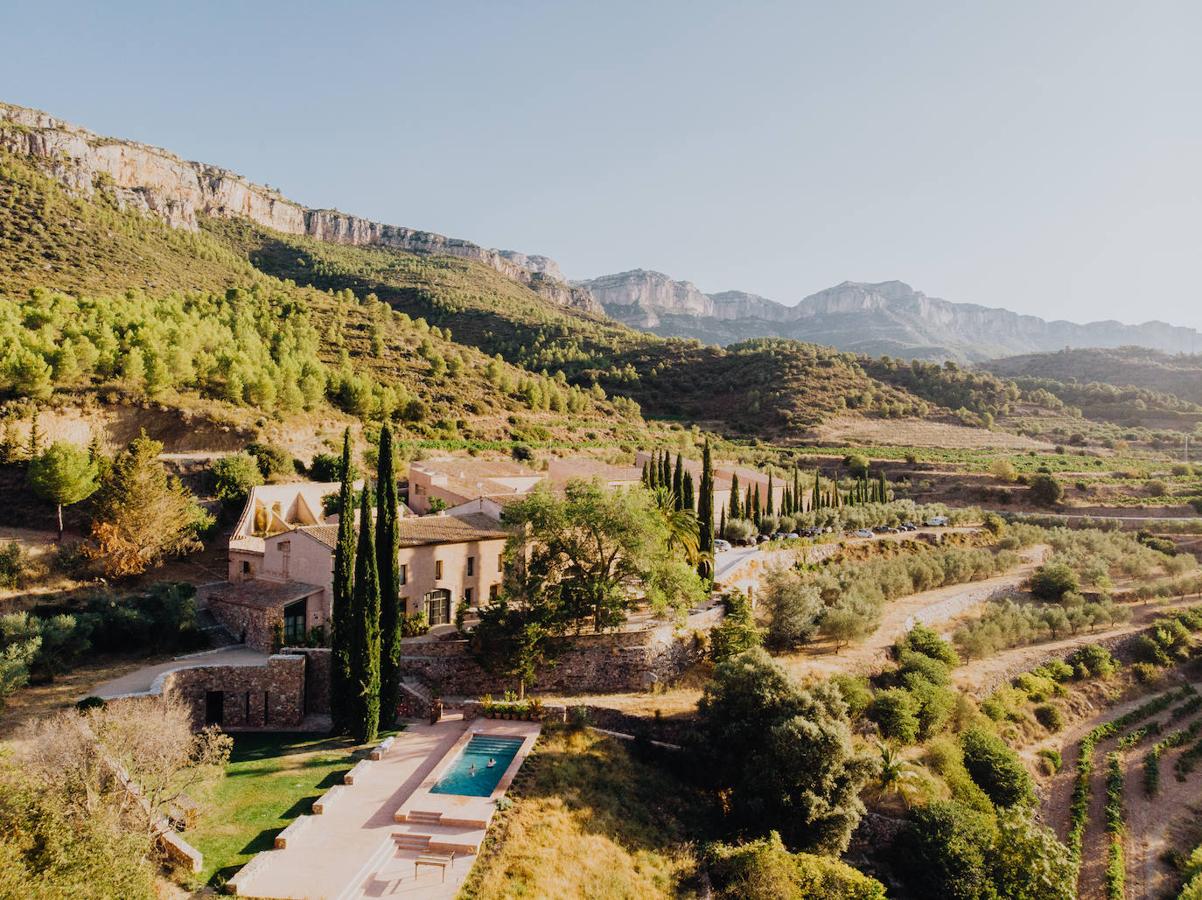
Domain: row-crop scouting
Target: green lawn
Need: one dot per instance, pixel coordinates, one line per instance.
(271, 779)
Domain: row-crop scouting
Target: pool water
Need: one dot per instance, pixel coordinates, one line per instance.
(470, 775)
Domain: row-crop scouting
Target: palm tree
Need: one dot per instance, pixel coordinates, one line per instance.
(681, 525)
(895, 775)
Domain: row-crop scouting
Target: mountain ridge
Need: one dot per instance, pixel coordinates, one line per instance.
(888, 317)
(156, 181)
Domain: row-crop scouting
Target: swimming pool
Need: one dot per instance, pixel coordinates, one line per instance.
(471, 775)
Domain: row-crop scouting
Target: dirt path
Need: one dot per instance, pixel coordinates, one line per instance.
(934, 608)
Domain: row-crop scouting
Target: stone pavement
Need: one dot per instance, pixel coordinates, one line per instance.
(337, 851)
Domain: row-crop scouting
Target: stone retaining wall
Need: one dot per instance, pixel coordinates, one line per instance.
(271, 695)
(317, 677)
(253, 625)
(610, 662)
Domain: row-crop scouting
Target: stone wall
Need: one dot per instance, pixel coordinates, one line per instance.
(253, 625)
(266, 696)
(587, 663)
(317, 677)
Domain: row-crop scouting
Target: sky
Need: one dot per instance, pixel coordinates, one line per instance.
(1044, 157)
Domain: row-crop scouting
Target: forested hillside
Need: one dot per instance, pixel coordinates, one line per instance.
(1162, 373)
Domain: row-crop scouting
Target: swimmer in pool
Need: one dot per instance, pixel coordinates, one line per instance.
(491, 762)
(472, 769)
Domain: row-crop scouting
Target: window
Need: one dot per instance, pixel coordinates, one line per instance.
(403, 575)
(467, 596)
(500, 562)
(437, 569)
(494, 591)
(294, 623)
(471, 566)
(245, 567)
(438, 606)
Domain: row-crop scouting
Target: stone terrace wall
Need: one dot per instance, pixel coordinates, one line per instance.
(317, 677)
(279, 685)
(589, 663)
(252, 624)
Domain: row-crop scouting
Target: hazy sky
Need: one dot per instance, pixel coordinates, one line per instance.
(1046, 157)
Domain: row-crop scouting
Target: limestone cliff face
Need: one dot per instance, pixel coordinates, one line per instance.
(159, 183)
(640, 297)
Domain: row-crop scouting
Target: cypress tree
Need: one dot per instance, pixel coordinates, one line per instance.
(388, 570)
(678, 482)
(768, 510)
(722, 523)
(747, 510)
(665, 472)
(690, 500)
(646, 475)
(365, 633)
(705, 507)
(344, 568)
(816, 498)
(756, 511)
(736, 511)
(882, 487)
(798, 503)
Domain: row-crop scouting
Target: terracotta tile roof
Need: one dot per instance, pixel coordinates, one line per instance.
(418, 530)
(260, 594)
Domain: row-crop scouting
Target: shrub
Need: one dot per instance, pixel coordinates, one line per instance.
(326, 467)
(737, 631)
(234, 476)
(1053, 580)
(765, 870)
(274, 461)
(1036, 687)
(912, 666)
(1093, 661)
(1051, 760)
(895, 712)
(996, 768)
(925, 640)
(1049, 716)
(14, 566)
(855, 692)
(1045, 490)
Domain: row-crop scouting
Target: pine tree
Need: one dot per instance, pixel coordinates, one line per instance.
(705, 507)
(678, 482)
(341, 698)
(768, 510)
(365, 633)
(690, 499)
(388, 571)
(736, 511)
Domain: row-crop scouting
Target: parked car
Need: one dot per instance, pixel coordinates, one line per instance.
(864, 533)
(721, 545)
(779, 536)
(937, 521)
(792, 535)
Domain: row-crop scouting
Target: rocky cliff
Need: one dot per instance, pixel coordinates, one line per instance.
(890, 317)
(160, 183)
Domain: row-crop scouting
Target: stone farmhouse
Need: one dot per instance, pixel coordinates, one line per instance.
(281, 563)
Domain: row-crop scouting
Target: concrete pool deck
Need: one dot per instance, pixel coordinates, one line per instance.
(355, 848)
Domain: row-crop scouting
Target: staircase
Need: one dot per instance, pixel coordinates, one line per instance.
(219, 637)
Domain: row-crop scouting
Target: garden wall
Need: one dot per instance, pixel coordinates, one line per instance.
(611, 662)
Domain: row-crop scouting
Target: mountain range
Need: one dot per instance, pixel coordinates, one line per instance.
(886, 318)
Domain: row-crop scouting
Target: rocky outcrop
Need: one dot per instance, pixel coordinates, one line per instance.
(889, 317)
(178, 191)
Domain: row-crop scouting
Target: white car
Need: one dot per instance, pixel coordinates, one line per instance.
(721, 545)
(864, 532)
